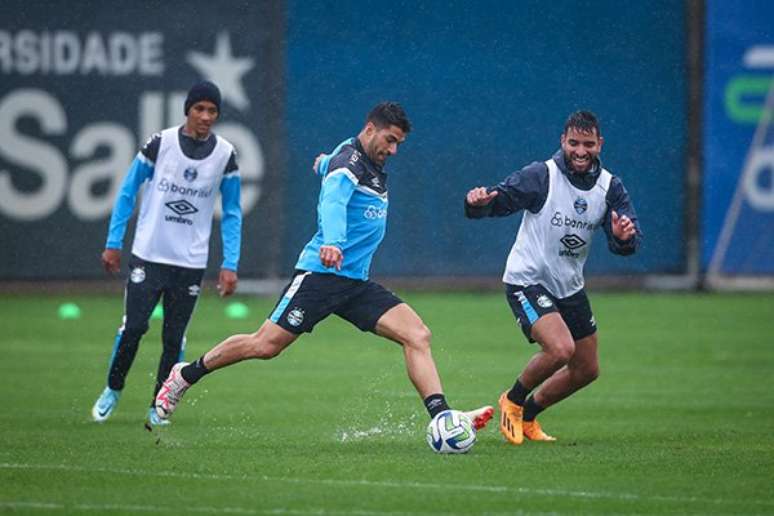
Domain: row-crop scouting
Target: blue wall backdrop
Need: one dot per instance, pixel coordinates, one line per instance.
(739, 73)
(488, 86)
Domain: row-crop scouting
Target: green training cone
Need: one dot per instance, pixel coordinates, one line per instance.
(237, 310)
(69, 311)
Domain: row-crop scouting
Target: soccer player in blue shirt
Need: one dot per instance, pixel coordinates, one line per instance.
(332, 273)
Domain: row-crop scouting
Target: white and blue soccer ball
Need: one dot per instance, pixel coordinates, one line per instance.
(451, 431)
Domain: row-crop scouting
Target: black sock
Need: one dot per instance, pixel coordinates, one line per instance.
(518, 393)
(532, 409)
(435, 403)
(194, 371)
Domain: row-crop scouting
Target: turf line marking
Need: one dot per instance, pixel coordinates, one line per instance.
(386, 484)
(31, 505)
(16, 505)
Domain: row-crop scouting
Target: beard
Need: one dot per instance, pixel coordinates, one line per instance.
(568, 161)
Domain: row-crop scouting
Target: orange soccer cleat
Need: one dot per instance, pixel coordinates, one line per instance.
(510, 420)
(533, 432)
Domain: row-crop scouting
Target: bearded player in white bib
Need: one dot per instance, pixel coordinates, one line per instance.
(565, 199)
(179, 171)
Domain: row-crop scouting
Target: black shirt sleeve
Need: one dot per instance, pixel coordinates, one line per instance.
(151, 148)
(525, 189)
(349, 158)
(618, 200)
(231, 166)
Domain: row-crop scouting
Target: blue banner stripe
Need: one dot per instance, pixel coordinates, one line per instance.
(181, 355)
(292, 289)
(115, 348)
(531, 314)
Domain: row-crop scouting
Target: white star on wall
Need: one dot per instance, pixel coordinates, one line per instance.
(225, 70)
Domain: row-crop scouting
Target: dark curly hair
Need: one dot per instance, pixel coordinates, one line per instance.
(386, 114)
(583, 121)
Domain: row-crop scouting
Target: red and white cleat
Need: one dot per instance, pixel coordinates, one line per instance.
(480, 416)
(171, 392)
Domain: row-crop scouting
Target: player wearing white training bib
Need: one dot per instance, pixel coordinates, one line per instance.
(552, 245)
(564, 199)
(179, 171)
(178, 202)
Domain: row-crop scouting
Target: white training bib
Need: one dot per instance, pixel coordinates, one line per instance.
(175, 218)
(552, 245)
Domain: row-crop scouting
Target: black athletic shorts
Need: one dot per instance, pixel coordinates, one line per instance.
(532, 302)
(310, 297)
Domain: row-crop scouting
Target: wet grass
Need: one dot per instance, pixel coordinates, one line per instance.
(680, 421)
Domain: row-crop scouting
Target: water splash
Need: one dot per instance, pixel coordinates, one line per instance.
(388, 426)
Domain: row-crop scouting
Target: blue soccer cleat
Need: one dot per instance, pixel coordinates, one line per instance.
(153, 419)
(105, 404)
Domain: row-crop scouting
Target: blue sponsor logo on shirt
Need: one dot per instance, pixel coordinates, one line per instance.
(373, 213)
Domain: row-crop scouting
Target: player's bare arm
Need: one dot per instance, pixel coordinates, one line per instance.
(623, 227)
(331, 256)
(480, 197)
(227, 282)
(111, 260)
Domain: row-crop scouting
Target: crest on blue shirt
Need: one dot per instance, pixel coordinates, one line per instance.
(190, 174)
(580, 205)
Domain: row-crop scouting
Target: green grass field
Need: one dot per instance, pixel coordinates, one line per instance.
(681, 419)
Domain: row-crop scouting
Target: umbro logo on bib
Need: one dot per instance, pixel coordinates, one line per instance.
(182, 207)
(572, 241)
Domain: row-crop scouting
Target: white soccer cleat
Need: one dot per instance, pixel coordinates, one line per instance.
(105, 404)
(171, 392)
(480, 416)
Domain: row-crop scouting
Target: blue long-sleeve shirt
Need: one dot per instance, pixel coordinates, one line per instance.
(351, 212)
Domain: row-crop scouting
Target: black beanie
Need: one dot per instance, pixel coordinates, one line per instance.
(204, 90)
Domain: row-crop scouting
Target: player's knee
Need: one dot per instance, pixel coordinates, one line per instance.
(562, 351)
(135, 330)
(171, 343)
(591, 373)
(584, 374)
(419, 337)
(263, 347)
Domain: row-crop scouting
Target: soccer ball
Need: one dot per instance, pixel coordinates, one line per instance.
(451, 431)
